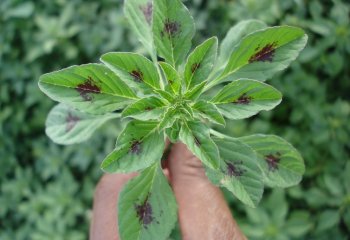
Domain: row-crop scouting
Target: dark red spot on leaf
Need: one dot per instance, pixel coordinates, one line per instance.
(87, 88)
(195, 67)
(137, 75)
(147, 11)
(144, 212)
(171, 28)
(273, 161)
(265, 54)
(135, 147)
(71, 121)
(243, 99)
(197, 142)
(235, 169)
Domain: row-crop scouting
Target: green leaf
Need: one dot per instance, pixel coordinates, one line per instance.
(197, 138)
(168, 119)
(172, 77)
(165, 95)
(134, 69)
(195, 92)
(145, 109)
(173, 29)
(173, 131)
(210, 111)
(263, 53)
(200, 62)
(147, 207)
(280, 162)
(139, 14)
(90, 88)
(66, 125)
(327, 220)
(277, 200)
(244, 98)
(239, 171)
(234, 35)
(139, 146)
(187, 110)
(298, 224)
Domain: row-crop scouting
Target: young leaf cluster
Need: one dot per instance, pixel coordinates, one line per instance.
(182, 97)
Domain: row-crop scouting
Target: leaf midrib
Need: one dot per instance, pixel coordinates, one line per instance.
(101, 92)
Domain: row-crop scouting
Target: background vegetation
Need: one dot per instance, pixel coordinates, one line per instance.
(46, 190)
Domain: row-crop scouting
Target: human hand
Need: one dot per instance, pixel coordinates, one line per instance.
(202, 210)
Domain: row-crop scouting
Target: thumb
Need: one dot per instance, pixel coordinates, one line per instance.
(203, 211)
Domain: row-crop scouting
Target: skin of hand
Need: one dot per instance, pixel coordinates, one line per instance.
(202, 210)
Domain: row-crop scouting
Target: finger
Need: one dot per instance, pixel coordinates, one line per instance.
(203, 211)
(184, 166)
(104, 223)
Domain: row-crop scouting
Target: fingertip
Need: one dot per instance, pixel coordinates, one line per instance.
(104, 221)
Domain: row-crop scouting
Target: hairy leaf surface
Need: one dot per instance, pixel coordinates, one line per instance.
(239, 171)
(280, 161)
(134, 69)
(90, 88)
(140, 14)
(139, 146)
(210, 111)
(234, 35)
(244, 98)
(147, 207)
(65, 125)
(173, 78)
(173, 29)
(145, 109)
(197, 138)
(263, 53)
(200, 62)
(195, 92)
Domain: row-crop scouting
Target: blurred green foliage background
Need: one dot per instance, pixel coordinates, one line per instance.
(46, 190)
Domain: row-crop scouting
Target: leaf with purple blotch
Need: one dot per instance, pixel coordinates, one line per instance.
(263, 53)
(90, 88)
(239, 171)
(245, 98)
(280, 162)
(200, 62)
(234, 36)
(147, 206)
(140, 15)
(197, 138)
(138, 146)
(173, 78)
(173, 29)
(134, 69)
(66, 125)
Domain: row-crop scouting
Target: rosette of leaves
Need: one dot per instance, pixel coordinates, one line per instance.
(180, 98)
